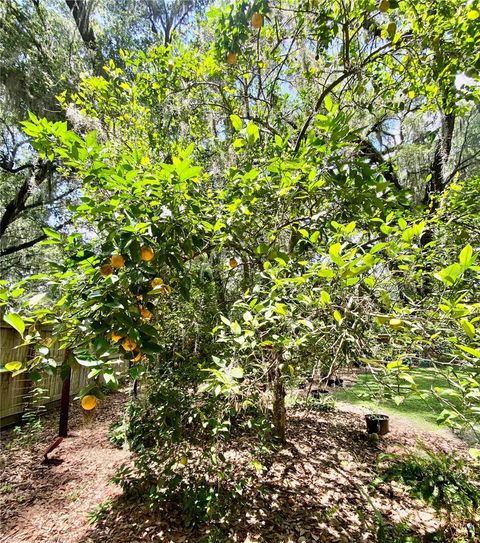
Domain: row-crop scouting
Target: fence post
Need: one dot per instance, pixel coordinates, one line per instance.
(65, 400)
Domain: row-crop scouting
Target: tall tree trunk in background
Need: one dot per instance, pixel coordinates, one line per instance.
(436, 185)
(81, 14)
(219, 285)
(438, 175)
(279, 411)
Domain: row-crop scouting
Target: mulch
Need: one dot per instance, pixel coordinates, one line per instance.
(318, 488)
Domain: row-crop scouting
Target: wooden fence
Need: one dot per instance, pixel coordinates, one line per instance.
(16, 392)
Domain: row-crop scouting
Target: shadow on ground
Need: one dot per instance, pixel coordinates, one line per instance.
(316, 490)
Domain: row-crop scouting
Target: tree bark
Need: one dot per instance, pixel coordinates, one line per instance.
(279, 411)
(81, 15)
(438, 178)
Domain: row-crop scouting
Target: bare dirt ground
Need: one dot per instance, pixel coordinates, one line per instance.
(49, 502)
(317, 489)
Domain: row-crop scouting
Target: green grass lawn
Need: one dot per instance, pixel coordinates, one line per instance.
(421, 407)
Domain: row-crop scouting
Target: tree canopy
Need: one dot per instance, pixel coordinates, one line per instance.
(279, 190)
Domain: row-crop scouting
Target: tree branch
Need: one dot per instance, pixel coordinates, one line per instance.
(81, 15)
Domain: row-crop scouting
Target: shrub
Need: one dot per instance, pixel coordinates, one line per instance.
(442, 480)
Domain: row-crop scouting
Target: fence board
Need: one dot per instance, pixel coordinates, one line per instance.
(15, 392)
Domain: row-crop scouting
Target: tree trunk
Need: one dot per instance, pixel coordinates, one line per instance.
(219, 286)
(81, 14)
(278, 408)
(438, 178)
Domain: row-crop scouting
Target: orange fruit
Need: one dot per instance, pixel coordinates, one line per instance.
(117, 261)
(106, 270)
(128, 344)
(147, 254)
(257, 20)
(157, 282)
(116, 337)
(89, 402)
(165, 289)
(170, 65)
(146, 314)
(232, 58)
(138, 355)
(233, 263)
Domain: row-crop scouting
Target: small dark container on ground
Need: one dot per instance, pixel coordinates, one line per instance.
(377, 424)
(319, 393)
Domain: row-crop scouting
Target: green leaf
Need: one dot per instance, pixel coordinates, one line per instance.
(252, 132)
(326, 272)
(15, 365)
(89, 363)
(407, 377)
(469, 350)
(239, 142)
(306, 323)
(259, 467)
(225, 320)
(236, 122)
(474, 453)
(337, 316)
(35, 300)
(52, 234)
(334, 253)
(468, 327)
(328, 103)
(236, 328)
(325, 297)
(237, 372)
(15, 321)
(465, 257)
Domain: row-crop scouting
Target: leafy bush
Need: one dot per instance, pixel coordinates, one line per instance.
(441, 480)
(323, 404)
(392, 533)
(180, 451)
(117, 433)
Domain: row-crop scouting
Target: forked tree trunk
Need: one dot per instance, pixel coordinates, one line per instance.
(278, 408)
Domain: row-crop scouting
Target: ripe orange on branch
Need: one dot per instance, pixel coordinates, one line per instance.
(116, 337)
(157, 282)
(257, 20)
(106, 270)
(147, 254)
(117, 261)
(231, 58)
(128, 344)
(138, 355)
(233, 263)
(165, 289)
(89, 402)
(146, 314)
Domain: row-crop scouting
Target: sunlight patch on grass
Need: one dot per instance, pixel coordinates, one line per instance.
(423, 411)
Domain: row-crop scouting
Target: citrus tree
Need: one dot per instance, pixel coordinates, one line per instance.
(243, 220)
